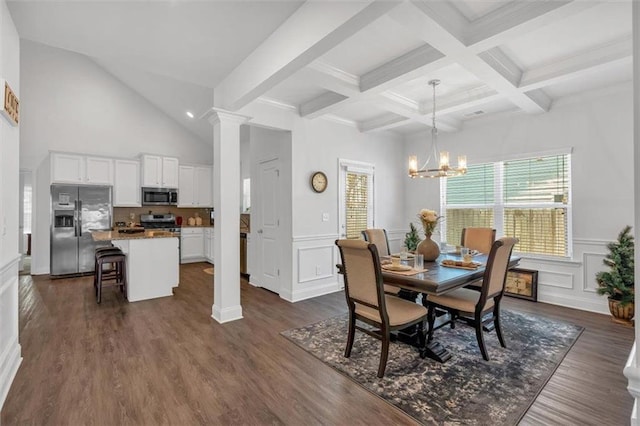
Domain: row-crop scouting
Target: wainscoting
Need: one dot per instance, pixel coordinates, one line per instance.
(10, 352)
(314, 267)
(569, 282)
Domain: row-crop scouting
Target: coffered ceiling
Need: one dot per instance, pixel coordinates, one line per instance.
(364, 64)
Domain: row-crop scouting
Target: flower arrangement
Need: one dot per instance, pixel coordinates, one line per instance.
(429, 219)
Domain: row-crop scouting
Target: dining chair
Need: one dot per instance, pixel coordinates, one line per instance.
(369, 304)
(379, 238)
(473, 305)
(480, 239)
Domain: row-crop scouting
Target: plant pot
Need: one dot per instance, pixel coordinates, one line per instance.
(429, 249)
(621, 314)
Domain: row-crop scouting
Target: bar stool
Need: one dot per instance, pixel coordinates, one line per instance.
(118, 273)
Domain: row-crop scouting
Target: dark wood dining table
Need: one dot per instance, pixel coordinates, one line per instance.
(440, 279)
(437, 279)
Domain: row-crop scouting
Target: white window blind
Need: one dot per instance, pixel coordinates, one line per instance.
(526, 198)
(469, 201)
(356, 204)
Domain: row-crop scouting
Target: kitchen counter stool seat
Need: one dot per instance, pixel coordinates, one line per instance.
(117, 276)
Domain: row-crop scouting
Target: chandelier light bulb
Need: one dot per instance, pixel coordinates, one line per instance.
(444, 159)
(413, 164)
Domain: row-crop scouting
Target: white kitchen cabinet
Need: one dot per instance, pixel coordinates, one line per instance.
(159, 172)
(80, 169)
(192, 245)
(208, 245)
(126, 187)
(196, 186)
(186, 186)
(204, 186)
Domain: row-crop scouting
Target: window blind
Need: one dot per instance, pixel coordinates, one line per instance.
(526, 198)
(469, 200)
(356, 204)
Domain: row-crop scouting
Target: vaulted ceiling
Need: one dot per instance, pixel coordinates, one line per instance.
(366, 64)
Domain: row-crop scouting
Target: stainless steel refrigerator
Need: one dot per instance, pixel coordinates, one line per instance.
(76, 211)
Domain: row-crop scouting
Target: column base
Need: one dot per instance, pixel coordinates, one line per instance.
(226, 314)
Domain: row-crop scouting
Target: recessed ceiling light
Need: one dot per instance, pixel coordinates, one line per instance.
(189, 114)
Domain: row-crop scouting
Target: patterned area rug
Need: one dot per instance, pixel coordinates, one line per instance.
(466, 389)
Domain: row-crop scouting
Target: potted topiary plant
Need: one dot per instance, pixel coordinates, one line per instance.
(411, 239)
(618, 282)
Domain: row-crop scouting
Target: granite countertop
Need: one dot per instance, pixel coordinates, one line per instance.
(204, 225)
(115, 235)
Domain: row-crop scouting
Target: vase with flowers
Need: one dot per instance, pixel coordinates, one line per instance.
(427, 247)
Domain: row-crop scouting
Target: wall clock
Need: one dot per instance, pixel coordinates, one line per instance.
(319, 182)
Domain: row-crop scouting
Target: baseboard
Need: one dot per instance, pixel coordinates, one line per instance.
(227, 314)
(575, 303)
(310, 292)
(9, 364)
(193, 260)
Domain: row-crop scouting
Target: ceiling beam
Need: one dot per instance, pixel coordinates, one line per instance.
(321, 104)
(310, 32)
(604, 56)
(517, 18)
(384, 122)
(420, 18)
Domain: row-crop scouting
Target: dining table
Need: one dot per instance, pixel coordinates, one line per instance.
(435, 279)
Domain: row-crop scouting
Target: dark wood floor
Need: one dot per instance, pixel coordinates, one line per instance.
(167, 362)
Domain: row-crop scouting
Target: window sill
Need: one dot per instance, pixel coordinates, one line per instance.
(550, 260)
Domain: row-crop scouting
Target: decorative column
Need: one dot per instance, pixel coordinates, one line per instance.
(632, 368)
(226, 201)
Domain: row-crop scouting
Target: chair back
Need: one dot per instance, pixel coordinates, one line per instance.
(480, 239)
(378, 237)
(495, 274)
(362, 275)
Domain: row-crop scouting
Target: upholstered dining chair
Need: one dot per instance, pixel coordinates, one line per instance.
(480, 239)
(475, 305)
(369, 304)
(378, 237)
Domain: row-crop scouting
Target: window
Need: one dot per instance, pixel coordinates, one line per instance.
(356, 204)
(526, 198)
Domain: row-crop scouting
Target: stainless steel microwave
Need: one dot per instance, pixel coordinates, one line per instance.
(159, 197)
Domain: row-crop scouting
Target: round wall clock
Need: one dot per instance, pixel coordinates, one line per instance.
(319, 182)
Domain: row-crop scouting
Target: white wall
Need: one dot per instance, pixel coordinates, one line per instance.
(318, 145)
(70, 103)
(10, 356)
(598, 126)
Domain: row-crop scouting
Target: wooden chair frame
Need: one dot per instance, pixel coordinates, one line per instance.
(385, 329)
(477, 320)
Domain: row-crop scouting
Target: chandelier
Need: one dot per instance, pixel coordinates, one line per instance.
(443, 168)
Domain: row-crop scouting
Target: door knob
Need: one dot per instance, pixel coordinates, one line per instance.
(259, 231)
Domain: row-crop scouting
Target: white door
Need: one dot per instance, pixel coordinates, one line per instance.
(268, 225)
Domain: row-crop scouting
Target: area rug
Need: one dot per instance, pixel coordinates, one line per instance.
(208, 271)
(464, 390)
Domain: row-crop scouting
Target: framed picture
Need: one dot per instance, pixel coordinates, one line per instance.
(522, 283)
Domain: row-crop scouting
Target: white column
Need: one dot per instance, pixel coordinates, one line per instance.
(632, 369)
(226, 201)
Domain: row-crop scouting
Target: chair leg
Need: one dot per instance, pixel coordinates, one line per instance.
(421, 337)
(453, 315)
(480, 337)
(496, 322)
(99, 285)
(124, 278)
(352, 331)
(384, 354)
(431, 318)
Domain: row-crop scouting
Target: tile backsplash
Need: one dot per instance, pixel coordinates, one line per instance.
(121, 214)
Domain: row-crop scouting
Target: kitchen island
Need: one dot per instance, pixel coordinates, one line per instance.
(152, 261)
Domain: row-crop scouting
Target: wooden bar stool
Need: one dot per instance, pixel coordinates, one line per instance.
(118, 273)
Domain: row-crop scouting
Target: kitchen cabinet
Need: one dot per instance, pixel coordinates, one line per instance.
(80, 169)
(208, 245)
(159, 172)
(192, 245)
(195, 186)
(126, 185)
